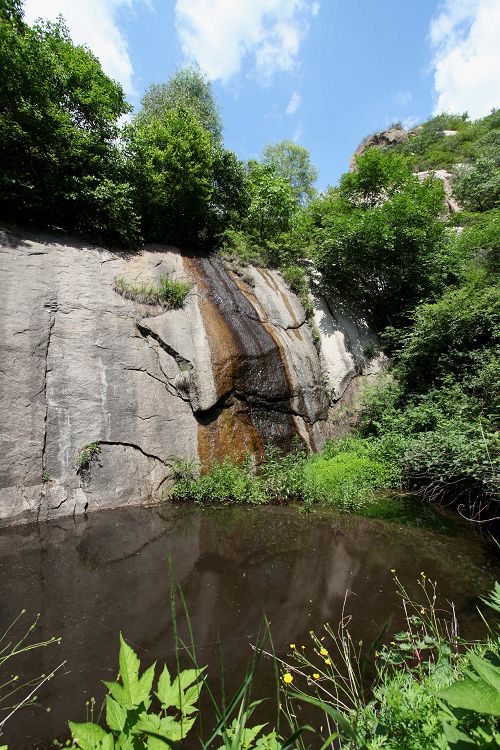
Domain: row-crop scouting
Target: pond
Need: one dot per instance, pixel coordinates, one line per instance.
(92, 577)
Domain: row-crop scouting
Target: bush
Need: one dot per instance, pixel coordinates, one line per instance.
(167, 293)
(347, 475)
(227, 481)
(477, 187)
(296, 278)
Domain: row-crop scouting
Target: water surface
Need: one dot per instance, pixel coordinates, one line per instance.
(92, 577)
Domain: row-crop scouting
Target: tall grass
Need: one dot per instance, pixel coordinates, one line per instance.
(168, 293)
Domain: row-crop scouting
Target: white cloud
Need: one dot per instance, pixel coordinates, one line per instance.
(298, 133)
(467, 56)
(315, 9)
(94, 23)
(294, 103)
(220, 34)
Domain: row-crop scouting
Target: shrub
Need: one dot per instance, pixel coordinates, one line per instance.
(477, 187)
(296, 278)
(226, 481)
(348, 479)
(431, 690)
(167, 293)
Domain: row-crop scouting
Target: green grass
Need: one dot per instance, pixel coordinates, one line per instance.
(168, 293)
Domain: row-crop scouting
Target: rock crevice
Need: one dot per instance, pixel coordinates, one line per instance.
(233, 370)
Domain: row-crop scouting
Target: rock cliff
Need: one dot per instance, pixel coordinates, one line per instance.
(234, 369)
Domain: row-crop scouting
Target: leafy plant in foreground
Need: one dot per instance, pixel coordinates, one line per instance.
(131, 723)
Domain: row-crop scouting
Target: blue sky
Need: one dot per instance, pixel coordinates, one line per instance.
(324, 73)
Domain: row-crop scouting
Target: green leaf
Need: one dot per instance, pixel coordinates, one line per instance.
(115, 714)
(143, 691)
(135, 690)
(473, 695)
(164, 691)
(117, 692)
(337, 717)
(457, 740)
(187, 677)
(90, 736)
(486, 670)
(166, 730)
(129, 672)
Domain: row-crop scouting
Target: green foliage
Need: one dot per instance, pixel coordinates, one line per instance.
(168, 293)
(347, 475)
(170, 164)
(448, 335)
(272, 202)
(129, 717)
(430, 148)
(278, 479)
(229, 480)
(296, 278)
(58, 126)
(188, 89)
(86, 456)
(378, 236)
(439, 441)
(291, 161)
(477, 187)
(430, 689)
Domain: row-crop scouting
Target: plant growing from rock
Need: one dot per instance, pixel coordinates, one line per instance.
(87, 454)
(168, 293)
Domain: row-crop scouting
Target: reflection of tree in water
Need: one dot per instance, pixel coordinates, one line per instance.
(91, 578)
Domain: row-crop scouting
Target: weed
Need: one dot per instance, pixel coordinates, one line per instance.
(86, 456)
(168, 293)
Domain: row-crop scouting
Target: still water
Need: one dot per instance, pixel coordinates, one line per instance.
(92, 577)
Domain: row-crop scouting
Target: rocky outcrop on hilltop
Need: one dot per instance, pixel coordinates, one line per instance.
(234, 369)
(384, 138)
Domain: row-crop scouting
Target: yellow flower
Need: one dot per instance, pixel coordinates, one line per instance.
(422, 611)
(393, 643)
(292, 645)
(393, 570)
(302, 647)
(323, 652)
(316, 676)
(287, 678)
(328, 661)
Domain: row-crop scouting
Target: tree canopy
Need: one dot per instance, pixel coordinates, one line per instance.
(188, 88)
(293, 163)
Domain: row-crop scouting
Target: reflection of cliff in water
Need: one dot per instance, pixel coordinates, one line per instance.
(91, 578)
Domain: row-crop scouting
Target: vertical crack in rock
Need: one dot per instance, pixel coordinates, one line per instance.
(148, 334)
(52, 306)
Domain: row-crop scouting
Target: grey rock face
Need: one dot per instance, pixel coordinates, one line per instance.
(235, 368)
(385, 138)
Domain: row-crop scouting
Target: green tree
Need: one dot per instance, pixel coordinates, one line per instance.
(477, 187)
(59, 163)
(272, 202)
(189, 89)
(170, 162)
(293, 162)
(377, 237)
